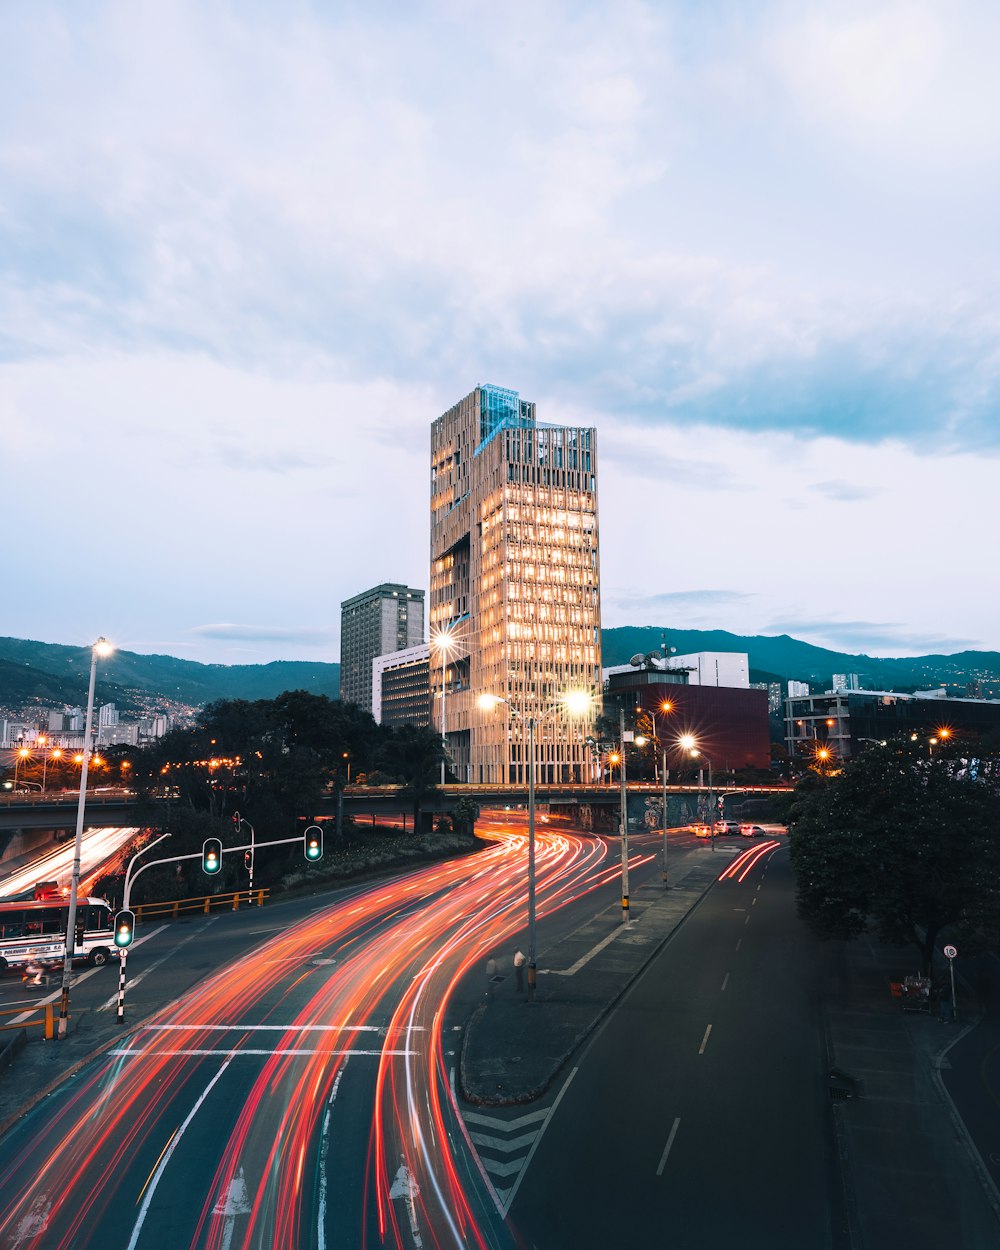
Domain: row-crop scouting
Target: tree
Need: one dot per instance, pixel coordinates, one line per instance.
(411, 754)
(907, 842)
(465, 815)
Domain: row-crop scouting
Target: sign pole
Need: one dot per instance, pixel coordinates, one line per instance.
(951, 952)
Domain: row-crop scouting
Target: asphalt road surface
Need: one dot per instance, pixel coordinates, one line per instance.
(698, 1116)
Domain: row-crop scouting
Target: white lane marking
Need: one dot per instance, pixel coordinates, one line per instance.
(405, 1186)
(753, 902)
(236, 1202)
(113, 1000)
(531, 1153)
(83, 976)
(725, 982)
(272, 929)
(585, 959)
(165, 1158)
(504, 1144)
(128, 1052)
(747, 921)
(324, 1151)
(489, 1121)
(739, 944)
(666, 1149)
(704, 1041)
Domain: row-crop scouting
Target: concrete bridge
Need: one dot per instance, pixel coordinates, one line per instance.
(121, 807)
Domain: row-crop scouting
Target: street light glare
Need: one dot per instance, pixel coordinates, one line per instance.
(666, 706)
(688, 741)
(489, 702)
(577, 702)
(103, 648)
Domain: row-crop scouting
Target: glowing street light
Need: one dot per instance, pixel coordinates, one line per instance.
(575, 703)
(100, 649)
(445, 642)
(665, 708)
(690, 744)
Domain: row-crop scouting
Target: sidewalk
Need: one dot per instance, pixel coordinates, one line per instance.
(913, 1177)
(512, 1050)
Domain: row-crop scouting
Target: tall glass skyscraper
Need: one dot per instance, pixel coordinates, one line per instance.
(514, 601)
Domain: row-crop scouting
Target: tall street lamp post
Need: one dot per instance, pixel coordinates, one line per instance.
(575, 703)
(665, 708)
(623, 816)
(99, 650)
(444, 642)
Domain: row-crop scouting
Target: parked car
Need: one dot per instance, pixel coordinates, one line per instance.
(725, 827)
(751, 831)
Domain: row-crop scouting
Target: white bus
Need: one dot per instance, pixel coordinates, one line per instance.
(37, 931)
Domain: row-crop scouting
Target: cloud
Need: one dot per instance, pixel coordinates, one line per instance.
(631, 599)
(879, 637)
(301, 636)
(845, 492)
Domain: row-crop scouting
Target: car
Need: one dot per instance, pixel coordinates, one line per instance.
(725, 827)
(702, 831)
(751, 831)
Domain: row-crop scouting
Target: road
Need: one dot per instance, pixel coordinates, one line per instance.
(98, 849)
(698, 1115)
(301, 1095)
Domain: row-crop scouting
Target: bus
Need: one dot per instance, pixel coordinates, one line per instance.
(36, 930)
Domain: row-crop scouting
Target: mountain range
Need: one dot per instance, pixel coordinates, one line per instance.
(42, 673)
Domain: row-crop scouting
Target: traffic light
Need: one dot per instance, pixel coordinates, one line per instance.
(313, 843)
(124, 929)
(211, 856)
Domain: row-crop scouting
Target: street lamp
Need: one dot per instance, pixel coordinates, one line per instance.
(575, 703)
(665, 708)
(100, 649)
(445, 641)
(690, 744)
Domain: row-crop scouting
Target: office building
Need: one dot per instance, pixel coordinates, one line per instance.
(847, 721)
(387, 618)
(515, 585)
(401, 691)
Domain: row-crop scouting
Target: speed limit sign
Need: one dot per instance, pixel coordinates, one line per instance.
(950, 952)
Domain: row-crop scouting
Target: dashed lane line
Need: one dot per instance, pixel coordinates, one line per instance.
(670, 1141)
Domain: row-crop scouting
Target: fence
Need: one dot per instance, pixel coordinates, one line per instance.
(203, 905)
(47, 1022)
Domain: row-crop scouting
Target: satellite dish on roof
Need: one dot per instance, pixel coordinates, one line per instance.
(637, 661)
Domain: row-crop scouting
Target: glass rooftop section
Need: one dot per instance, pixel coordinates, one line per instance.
(500, 409)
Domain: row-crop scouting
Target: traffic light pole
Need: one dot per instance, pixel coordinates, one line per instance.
(130, 877)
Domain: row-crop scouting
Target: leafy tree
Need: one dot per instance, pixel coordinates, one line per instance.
(465, 815)
(907, 842)
(411, 754)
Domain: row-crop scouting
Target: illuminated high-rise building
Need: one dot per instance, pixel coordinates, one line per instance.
(514, 601)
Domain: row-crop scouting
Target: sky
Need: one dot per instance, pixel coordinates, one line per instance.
(249, 251)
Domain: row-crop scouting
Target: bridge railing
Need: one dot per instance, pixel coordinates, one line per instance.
(204, 904)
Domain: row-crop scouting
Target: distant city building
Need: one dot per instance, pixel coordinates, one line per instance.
(118, 734)
(401, 689)
(798, 689)
(515, 582)
(107, 715)
(845, 681)
(387, 618)
(729, 723)
(848, 720)
(715, 668)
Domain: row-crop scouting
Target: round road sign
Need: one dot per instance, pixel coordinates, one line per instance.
(950, 952)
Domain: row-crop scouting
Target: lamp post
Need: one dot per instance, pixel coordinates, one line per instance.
(575, 703)
(690, 744)
(444, 642)
(22, 754)
(665, 708)
(99, 650)
(623, 816)
(239, 821)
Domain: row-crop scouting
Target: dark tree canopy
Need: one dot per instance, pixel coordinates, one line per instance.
(905, 841)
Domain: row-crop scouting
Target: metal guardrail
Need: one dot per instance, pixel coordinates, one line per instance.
(202, 905)
(47, 1022)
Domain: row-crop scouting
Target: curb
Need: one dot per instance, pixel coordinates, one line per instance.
(536, 1092)
(958, 1124)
